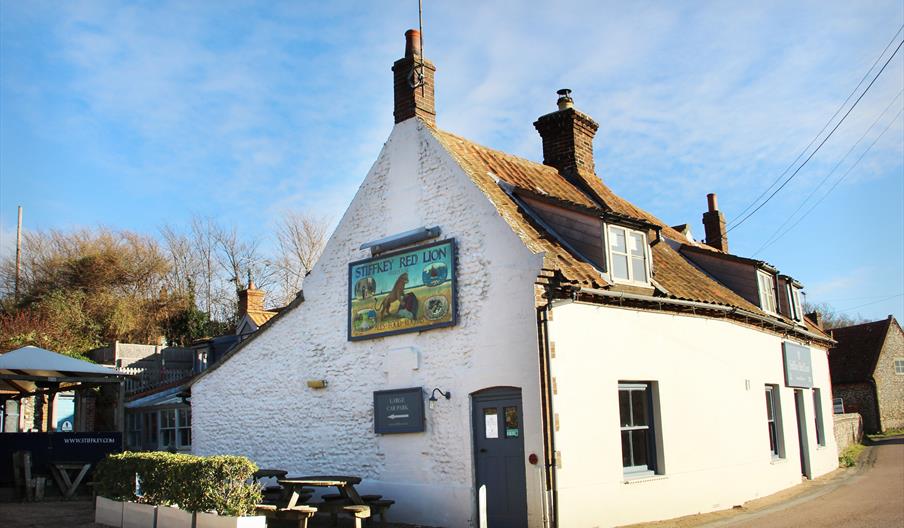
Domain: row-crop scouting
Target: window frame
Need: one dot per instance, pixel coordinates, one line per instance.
(817, 416)
(133, 430)
(183, 424)
(795, 308)
(166, 429)
(774, 423)
(653, 465)
(899, 362)
(150, 430)
(610, 252)
(767, 292)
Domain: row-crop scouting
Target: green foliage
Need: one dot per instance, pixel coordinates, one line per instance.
(850, 455)
(186, 326)
(216, 483)
(58, 322)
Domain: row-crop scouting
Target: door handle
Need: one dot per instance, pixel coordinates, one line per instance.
(483, 450)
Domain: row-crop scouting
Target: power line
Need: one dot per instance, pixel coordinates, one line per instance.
(824, 127)
(810, 210)
(823, 142)
(813, 192)
(872, 303)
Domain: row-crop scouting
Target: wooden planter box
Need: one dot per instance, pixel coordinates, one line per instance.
(171, 517)
(137, 515)
(212, 520)
(108, 512)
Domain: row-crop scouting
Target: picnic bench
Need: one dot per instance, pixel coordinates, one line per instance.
(346, 501)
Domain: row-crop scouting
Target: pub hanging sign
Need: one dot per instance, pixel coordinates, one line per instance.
(411, 290)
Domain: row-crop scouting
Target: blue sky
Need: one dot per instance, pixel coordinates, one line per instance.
(135, 114)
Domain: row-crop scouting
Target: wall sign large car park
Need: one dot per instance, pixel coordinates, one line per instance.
(399, 411)
(405, 291)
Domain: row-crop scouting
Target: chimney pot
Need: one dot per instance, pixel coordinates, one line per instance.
(568, 140)
(412, 43)
(714, 225)
(565, 101)
(412, 76)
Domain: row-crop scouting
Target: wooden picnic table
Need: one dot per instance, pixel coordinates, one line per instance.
(68, 485)
(345, 485)
(349, 502)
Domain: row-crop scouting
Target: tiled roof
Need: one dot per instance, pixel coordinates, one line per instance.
(854, 358)
(679, 278)
(261, 317)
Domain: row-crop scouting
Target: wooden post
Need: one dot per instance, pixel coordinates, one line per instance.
(121, 409)
(18, 253)
(51, 398)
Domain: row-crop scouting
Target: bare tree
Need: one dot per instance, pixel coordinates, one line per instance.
(831, 317)
(204, 246)
(301, 239)
(186, 264)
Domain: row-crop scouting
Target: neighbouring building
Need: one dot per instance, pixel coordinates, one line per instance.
(158, 410)
(584, 363)
(867, 368)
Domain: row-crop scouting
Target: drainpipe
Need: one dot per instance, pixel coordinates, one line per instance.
(549, 449)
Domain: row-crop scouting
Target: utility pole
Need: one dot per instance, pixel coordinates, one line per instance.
(18, 253)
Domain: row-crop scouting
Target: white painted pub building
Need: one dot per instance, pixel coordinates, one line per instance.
(593, 366)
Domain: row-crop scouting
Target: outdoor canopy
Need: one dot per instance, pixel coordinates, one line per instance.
(29, 369)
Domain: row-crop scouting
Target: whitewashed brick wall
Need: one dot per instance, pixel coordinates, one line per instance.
(257, 403)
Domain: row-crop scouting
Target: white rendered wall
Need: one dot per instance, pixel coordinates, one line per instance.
(257, 404)
(713, 435)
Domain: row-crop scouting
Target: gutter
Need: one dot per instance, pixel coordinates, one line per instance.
(727, 310)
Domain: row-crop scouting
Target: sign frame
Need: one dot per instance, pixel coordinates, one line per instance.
(798, 365)
(453, 302)
(415, 424)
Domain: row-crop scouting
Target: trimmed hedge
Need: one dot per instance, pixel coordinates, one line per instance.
(197, 484)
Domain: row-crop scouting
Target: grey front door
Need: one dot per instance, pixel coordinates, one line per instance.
(802, 437)
(499, 453)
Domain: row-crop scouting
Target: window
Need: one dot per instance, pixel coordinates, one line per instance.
(817, 411)
(766, 284)
(796, 312)
(133, 429)
(635, 405)
(628, 255)
(168, 428)
(150, 430)
(184, 427)
(899, 366)
(175, 428)
(773, 419)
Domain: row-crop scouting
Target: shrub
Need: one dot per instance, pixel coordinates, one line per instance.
(217, 483)
(850, 455)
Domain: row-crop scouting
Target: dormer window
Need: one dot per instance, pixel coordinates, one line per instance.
(794, 306)
(629, 255)
(766, 282)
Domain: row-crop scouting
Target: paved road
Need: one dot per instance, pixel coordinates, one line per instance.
(874, 498)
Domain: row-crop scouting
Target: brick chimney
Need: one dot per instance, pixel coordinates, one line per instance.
(251, 300)
(714, 225)
(568, 139)
(413, 82)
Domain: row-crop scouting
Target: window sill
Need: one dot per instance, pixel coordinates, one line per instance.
(640, 478)
(778, 460)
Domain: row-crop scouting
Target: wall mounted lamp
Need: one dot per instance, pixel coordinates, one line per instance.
(401, 239)
(433, 400)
